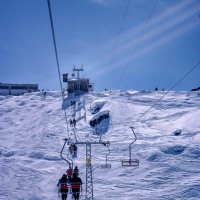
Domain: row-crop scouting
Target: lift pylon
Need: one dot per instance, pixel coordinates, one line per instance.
(89, 180)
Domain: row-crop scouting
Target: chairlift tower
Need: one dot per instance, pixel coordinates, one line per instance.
(89, 180)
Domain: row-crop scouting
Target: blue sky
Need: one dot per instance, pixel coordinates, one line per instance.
(157, 43)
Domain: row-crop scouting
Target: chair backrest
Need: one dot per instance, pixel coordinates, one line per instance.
(76, 185)
(64, 186)
(106, 166)
(130, 163)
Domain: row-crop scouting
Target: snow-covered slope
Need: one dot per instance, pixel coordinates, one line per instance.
(32, 129)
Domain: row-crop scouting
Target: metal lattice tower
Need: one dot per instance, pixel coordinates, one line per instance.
(89, 180)
(89, 183)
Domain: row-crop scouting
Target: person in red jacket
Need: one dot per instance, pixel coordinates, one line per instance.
(69, 173)
(63, 185)
(76, 170)
(76, 184)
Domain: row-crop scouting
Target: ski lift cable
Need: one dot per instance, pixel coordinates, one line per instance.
(135, 162)
(137, 44)
(56, 54)
(55, 47)
(120, 30)
(119, 33)
(57, 62)
(191, 69)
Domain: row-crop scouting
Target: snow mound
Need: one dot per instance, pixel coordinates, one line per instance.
(174, 150)
(177, 132)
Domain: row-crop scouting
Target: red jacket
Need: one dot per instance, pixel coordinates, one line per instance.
(69, 172)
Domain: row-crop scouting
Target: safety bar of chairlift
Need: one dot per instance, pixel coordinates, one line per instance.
(130, 162)
(70, 164)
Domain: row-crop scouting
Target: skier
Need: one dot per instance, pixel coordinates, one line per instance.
(74, 154)
(69, 173)
(71, 149)
(45, 94)
(74, 122)
(63, 185)
(74, 103)
(70, 122)
(76, 171)
(76, 183)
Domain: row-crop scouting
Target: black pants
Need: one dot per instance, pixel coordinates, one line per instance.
(76, 194)
(64, 194)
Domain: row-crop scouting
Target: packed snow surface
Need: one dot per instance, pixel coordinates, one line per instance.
(32, 129)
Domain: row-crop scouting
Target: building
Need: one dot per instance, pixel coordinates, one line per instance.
(76, 84)
(17, 89)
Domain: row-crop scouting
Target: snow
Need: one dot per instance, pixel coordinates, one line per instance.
(32, 129)
(98, 108)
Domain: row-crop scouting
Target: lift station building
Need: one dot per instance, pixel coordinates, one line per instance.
(17, 89)
(76, 84)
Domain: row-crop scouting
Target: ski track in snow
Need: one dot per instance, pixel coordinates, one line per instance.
(32, 129)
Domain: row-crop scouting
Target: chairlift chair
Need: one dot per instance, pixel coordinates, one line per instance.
(69, 186)
(131, 162)
(61, 155)
(106, 166)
